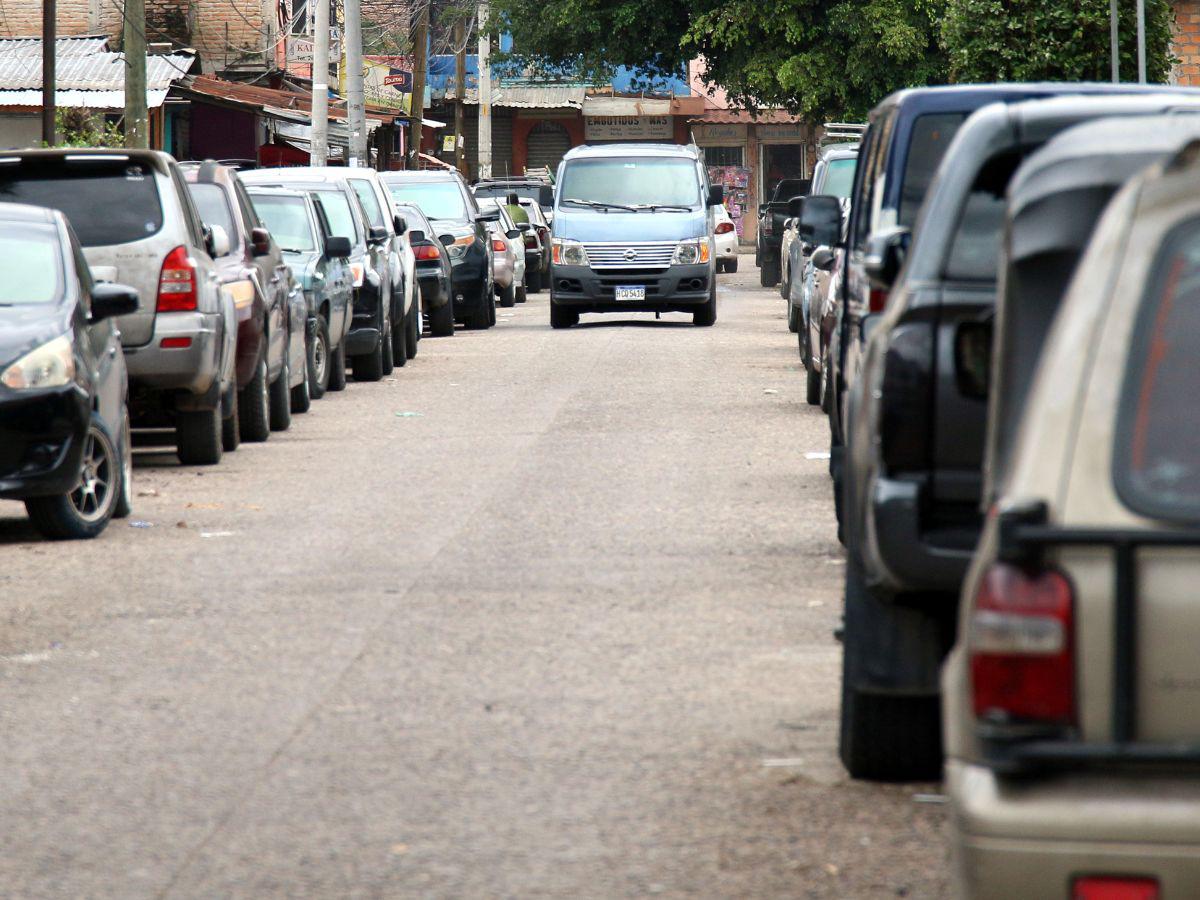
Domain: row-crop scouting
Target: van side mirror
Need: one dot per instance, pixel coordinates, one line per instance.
(885, 256)
(823, 259)
(716, 195)
(399, 223)
(260, 241)
(415, 237)
(337, 245)
(110, 300)
(820, 218)
(546, 195)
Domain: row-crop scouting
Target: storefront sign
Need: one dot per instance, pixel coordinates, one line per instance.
(790, 132)
(628, 128)
(712, 134)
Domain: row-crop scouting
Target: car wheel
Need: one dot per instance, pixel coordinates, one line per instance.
(508, 297)
(522, 294)
(399, 340)
(301, 394)
(785, 284)
(793, 319)
(482, 316)
(707, 314)
(318, 360)
(412, 331)
(441, 320)
(768, 275)
(198, 437)
(254, 404)
(561, 316)
(85, 511)
(533, 282)
(281, 398)
(884, 735)
(125, 498)
(368, 366)
(731, 265)
(337, 368)
(387, 348)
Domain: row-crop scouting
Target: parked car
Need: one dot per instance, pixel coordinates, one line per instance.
(508, 253)
(137, 224)
(725, 240)
(64, 425)
(771, 218)
(633, 227)
(270, 340)
(320, 264)
(914, 437)
(432, 270)
(449, 204)
(368, 347)
(1071, 725)
(537, 271)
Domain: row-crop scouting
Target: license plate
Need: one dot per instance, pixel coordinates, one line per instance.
(631, 292)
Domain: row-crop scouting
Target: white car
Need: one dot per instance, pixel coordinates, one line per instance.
(725, 240)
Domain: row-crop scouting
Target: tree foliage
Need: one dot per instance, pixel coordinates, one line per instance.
(1051, 40)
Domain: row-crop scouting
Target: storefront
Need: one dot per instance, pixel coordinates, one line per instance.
(783, 153)
(724, 146)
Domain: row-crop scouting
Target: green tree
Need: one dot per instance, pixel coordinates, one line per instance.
(1051, 40)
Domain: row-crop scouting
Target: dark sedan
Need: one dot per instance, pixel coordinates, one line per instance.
(64, 419)
(433, 271)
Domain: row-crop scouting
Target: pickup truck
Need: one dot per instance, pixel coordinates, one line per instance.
(771, 218)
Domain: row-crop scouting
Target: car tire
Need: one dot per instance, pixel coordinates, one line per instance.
(441, 320)
(768, 275)
(522, 294)
(281, 398)
(125, 498)
(491, 309)
(481, 317)
(399, 342)
(198, 437)
(706, 315)
(318, 359)
(231, 437)
(85, 511)
(731, 265)
(412, 331)
(884, 735)
(508, 297)
(301, 394)
(561, 316)
(793, 318)
(535, 283)
(387, 349)
(254, 403)
(785, 285)
(337, 368)
(369, 366)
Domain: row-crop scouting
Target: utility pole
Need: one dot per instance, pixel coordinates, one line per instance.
(49, 51)
(485, 94)
(356, 110)
(416, 114)
(460, 99)
(134, 39)
(1114, 42)
(320, 83)
(1141, 40)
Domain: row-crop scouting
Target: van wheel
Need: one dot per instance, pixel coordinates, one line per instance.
(441, 320)
(888, 732)
(560, 316)
(85, 511)
(254, 404)
(281, 398)
(337, 368)
(707, 314)
(198, 437)
(318, 360)
(412, 330)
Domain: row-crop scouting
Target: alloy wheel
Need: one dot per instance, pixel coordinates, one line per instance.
(97, 479)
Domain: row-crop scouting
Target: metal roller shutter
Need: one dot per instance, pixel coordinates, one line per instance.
(502, 140)
(548, 143)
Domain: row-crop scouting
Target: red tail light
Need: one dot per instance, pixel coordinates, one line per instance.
(531, 242)
(1110, 887)
(177, 282)
(498, 245)
(425, 251)
(1022, 647)
(877, 300)
(725, 228)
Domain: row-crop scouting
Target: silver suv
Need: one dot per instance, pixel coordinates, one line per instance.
(135, 219)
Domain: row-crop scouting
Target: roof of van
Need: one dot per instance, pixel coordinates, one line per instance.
(607, 150)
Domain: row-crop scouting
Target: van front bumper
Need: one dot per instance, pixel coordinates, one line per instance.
(1032, 838)
(678, 288)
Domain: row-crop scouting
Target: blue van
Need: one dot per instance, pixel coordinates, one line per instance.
(633, 226)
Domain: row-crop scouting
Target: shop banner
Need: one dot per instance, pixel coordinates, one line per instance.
(628, 128)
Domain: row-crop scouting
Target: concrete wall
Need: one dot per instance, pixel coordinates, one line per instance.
(19, 130)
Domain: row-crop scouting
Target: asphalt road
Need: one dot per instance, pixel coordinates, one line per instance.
(546, 614)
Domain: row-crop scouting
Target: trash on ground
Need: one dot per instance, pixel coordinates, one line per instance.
(929, 798)
(813, 604)
(816, 455)
(785, 762)
(138, 523)
(409, 415)
(213, 534)
(770, 391)
(148, 492)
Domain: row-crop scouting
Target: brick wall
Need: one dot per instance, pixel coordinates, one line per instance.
(1186, 46)
(24, 19)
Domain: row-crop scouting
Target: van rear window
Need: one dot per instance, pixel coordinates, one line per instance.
(1157, 458)
(107, 202)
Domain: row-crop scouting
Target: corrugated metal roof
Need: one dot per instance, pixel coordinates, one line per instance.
(76, 45)
(101, 71)
(550, 96)
(80, 99)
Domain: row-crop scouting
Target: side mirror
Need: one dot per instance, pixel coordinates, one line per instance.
(110, 300)
(885, 255)
(823, 259)
(337, 245)
(492, 215)
(524, 226)
(377, 234)
(446, 239)
(794, 206)
(260, 241)
(716, 195)
(820, 219)
(216, 241)
(545, 195)
(415, 237)
(400, 224)
(513, 233)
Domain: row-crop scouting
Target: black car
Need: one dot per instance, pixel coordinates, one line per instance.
(433, 271)
(915, 422)
(772, 220)
(64, 420)
(448, 203)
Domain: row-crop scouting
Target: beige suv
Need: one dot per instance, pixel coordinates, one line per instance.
(1072, 698)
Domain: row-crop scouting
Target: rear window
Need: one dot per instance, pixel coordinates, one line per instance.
(342, 216)
(931, 135)
(437, 199)
(31, 268)
(370, 202)
(975, 249)
(108, 202)
(839, 177)
(1157, 458)
(287, 220)
(213, 206)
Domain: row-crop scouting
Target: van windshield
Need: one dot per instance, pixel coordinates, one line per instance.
(631, 182)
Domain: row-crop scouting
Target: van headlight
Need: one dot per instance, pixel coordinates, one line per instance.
(50, 365)
(569, 253)
(689, 253)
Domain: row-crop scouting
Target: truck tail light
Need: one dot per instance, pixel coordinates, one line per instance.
(1113, 887)
(768, 224)
(177, 282)
(498, 245)
(724, 228)
(425, 251)
(877, 300)
(906, 399)
(1022, 648)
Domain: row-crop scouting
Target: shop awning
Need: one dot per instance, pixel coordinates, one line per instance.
(626, 106)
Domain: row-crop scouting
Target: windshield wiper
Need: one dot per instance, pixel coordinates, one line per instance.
(676, 206)
(599, 204)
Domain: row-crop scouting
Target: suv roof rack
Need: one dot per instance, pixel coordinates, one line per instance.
(836, 132)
